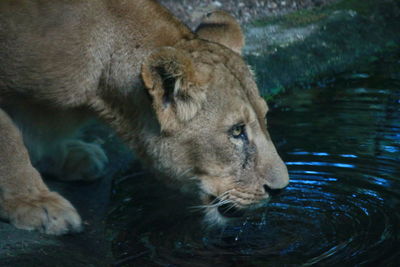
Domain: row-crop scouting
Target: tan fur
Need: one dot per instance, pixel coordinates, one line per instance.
(221, 27)
(173, 97)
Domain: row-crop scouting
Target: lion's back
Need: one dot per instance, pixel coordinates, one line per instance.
(49, 45)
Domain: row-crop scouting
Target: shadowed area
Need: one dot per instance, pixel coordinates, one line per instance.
(91, 247)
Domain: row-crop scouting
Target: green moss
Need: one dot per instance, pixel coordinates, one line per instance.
(306, 17)
(272, 92)
(299, 18)
(363, 7)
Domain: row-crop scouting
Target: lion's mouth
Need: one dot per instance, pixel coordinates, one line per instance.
(235, 204)
(230, 211)
(227, 210)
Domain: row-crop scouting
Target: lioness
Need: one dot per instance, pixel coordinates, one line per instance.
(186, 103)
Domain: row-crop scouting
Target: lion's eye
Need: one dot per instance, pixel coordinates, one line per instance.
(238, 131)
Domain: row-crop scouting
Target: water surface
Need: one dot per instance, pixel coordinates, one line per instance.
(340, 139)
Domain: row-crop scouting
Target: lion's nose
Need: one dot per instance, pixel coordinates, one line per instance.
(272, 192)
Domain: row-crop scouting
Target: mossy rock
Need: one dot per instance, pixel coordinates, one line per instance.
(301, 47)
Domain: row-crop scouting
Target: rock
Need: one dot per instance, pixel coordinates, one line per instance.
(297, 48)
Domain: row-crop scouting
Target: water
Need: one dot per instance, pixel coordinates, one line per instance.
(340, 139)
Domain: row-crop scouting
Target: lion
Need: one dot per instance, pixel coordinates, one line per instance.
(185, 102)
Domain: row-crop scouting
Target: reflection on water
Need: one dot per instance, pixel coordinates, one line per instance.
(341, 142)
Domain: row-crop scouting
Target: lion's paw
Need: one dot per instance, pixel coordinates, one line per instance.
(48, 213)
(82, 161)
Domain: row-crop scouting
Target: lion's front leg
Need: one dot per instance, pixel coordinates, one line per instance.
(53, 138)
(24, 199)
(77, 160)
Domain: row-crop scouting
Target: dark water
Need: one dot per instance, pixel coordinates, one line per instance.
(341, 142)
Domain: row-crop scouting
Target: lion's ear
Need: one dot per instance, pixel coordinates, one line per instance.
(168, 75)
(221, 27)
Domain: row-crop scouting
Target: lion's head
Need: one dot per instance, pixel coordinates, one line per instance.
(212, 130)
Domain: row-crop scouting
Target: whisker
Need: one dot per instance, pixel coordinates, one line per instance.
(220, 200)
(232, 206)
(184, 173)
(224, 194)
(227, 201)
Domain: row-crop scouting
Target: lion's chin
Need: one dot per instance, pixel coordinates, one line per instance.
(217, 215)
(212, 217)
